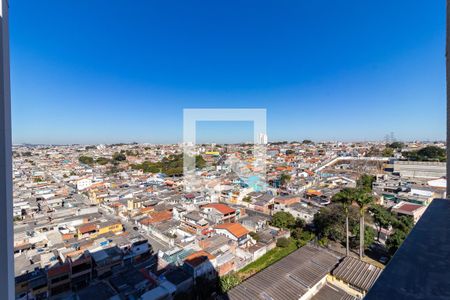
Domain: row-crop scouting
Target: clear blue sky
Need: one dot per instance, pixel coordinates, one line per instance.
(120, 71)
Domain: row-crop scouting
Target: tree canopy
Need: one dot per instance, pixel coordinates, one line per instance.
(369, 236)
(345, 196)
(363, 199)
(247, 199)
(171, 165)
(87, 160)
(382, 218)
(285, 178)
(283, 220)
(283, 242)
(396, 145)
(395, 240)
(387, 152)
(200, 162)
(119, 157)
(329, 222)
(365, 182)
(429, 153)
(402, 227)
(102, 161)
(290, 152)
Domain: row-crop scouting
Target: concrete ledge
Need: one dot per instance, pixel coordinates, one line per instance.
(421, 267)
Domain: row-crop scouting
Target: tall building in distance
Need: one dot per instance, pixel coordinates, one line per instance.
(263, 138)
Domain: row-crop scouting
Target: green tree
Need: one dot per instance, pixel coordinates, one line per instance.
(247, 199)
(283, 220)
(118, 157)
(290, 152)
(102, 161)
(297, 233)
(429, 153)
(395, 240)
(284, 179)
(387, 152)
(171, 166)
(200, 162)
(87, 160)
(403, 223)
(27, 154)
(304, 238)
(38, 179)
(365, 182)
(369, 236)
(255, 236)
(402, 227)
(229, 281)
(299, 223)
(363, 200)
(330, 222)
(396, 145)
(432, 153)
(345, 197)
(381, 217)
(283, 242)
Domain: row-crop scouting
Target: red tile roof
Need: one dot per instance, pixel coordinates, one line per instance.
(409, 207)
(199, 257)
(87, 228)
(157, 217)
(222, 208)
(235, 229)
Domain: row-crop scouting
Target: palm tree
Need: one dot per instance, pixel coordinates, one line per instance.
(363, 199)
(346, 197)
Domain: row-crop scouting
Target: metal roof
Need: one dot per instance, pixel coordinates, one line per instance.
(357, 273)
(289, 278)
(331, 292)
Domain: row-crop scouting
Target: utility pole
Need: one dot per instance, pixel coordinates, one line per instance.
(6, 205)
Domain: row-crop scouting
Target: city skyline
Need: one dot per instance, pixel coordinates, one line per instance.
(224, 150)
(99, 80)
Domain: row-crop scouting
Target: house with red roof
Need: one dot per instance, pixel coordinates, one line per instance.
(156, 217)
(409, 209)
(233, 231)
(218, 213)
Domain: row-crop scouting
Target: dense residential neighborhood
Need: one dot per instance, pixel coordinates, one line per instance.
(121, 222)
